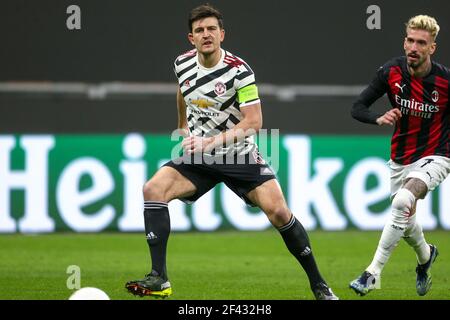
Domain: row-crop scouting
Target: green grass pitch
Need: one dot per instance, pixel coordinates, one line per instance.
(221, 265)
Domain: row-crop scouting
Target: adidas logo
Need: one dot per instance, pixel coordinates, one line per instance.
(306, 251)
(151, 236)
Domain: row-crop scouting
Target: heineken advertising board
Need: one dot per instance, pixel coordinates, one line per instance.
(92, 183)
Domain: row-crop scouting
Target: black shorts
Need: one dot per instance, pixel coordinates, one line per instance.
(240, 175)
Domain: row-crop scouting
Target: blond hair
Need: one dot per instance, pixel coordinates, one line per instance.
(423, 22)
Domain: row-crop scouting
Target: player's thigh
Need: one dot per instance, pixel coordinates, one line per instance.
(270, 199)
(168, 184)
(431, 171)
(426, 174)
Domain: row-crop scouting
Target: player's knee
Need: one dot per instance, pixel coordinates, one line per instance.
(403, 200)
(154, 191)
(402, 206)
(278, 216)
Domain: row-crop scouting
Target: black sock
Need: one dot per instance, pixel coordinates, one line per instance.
(296, 240)
(157, 230)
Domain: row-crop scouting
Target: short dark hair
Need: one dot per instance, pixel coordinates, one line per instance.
(204, 11)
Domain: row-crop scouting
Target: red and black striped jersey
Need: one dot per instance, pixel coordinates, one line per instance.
(424, 127)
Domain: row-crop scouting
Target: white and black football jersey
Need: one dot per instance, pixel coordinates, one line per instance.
(214, 96)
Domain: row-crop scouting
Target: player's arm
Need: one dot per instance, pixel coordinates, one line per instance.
(250, 123)
(361, 108)
(182, 120)
(248, 126)
(390, 117)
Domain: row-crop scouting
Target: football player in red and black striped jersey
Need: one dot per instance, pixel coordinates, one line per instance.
(418, 90)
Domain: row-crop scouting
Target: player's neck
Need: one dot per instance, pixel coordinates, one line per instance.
(210, 60)
(422, 71)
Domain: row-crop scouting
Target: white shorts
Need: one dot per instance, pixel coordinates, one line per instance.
(432, 170)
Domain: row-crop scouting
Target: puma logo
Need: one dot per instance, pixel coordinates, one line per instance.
(399, 86)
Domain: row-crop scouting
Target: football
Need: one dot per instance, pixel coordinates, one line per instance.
(89, 293)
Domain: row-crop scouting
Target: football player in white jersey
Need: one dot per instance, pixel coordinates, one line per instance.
(218, 112)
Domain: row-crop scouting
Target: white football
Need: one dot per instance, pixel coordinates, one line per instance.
(89, 293)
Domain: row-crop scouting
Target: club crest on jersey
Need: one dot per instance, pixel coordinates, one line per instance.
(220, 89)
(435, 96)
(187, 84)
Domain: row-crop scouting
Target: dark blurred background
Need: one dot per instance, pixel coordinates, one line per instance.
(115, 75)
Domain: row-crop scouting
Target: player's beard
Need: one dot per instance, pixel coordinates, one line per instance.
(416, 64)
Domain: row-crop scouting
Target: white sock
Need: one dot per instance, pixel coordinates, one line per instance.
(415, 238)
(388, 241)
(393, 231)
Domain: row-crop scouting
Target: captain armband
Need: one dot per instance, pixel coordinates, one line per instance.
(248, 93)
